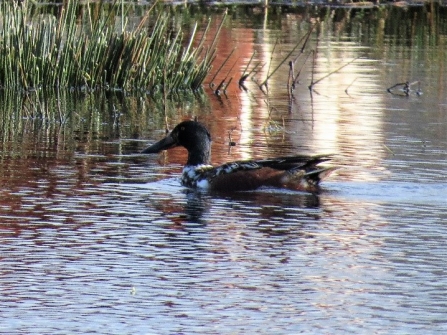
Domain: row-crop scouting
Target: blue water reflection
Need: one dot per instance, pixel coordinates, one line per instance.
(141, 253)
(96, 238)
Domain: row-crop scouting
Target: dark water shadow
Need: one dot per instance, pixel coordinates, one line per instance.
(265, 205)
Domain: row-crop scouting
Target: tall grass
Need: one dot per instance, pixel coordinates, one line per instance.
(97, 50)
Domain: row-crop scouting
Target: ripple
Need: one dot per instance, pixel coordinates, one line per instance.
(98, 239)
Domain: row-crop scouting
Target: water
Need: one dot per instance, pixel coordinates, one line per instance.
(98, 239)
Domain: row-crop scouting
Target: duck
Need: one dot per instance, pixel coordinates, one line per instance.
(299, 172)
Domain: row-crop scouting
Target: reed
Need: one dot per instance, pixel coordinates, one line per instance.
(97, 50)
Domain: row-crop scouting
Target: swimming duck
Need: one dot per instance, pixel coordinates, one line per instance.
(294, 172)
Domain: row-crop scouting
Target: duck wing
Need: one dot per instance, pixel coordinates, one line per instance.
(287, 163)
(293, 163)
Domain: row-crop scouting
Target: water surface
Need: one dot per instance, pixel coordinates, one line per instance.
(99, 239)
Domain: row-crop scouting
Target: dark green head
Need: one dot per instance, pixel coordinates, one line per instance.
(189, 134)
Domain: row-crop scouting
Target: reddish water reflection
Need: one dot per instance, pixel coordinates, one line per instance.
(96, 238)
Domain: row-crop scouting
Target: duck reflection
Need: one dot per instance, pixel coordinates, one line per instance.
(196, 206)
(201, 208)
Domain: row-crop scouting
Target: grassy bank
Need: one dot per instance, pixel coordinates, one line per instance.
(82, 49)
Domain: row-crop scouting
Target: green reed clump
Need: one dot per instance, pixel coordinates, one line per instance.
(88, 51)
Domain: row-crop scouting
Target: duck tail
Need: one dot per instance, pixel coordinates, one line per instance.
(318, 175)
(307, 181)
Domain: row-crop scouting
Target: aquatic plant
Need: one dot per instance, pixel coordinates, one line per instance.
(98, 50)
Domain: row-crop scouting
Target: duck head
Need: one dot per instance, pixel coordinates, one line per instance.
(191, 135)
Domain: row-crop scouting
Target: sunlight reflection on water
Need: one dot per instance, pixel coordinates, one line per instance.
(98, 239)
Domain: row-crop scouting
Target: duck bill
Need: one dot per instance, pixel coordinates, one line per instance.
(164, 144)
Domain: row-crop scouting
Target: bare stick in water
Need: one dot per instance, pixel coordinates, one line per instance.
(331, 73)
